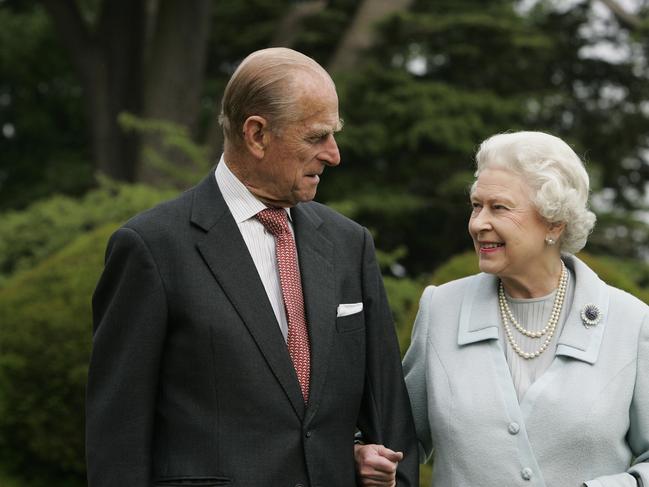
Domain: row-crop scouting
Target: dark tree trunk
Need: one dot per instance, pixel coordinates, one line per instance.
(175, 71)
(108, 62)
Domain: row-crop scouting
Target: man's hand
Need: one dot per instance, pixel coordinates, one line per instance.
(376, 465)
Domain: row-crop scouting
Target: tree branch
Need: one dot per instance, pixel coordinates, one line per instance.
(626, 19)
(360, 34)
(289, 26)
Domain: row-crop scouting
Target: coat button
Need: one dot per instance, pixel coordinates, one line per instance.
(526, 473)
(299, 485)
(513, 428)
(308, 435)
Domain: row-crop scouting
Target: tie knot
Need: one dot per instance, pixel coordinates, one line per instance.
(275, 220)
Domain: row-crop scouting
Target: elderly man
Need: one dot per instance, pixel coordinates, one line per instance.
(242, 333)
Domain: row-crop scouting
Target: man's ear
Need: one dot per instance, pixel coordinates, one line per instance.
(255, 135)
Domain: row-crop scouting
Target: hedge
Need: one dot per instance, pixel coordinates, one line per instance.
(29, 236)
(45, 340)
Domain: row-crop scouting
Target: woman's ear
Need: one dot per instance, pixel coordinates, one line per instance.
(555, 230)
(255, 135)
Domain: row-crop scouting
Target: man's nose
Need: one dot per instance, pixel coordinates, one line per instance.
(331, 155)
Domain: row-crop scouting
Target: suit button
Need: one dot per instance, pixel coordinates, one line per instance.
(526, 473)
(308, 435)
(513, 428)
(299, 485)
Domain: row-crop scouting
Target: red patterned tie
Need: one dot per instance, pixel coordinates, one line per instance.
(275, 220)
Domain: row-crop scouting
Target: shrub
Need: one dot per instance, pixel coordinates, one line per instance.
(404, 297)
(31, 235)
(45, 339)
(629, 275)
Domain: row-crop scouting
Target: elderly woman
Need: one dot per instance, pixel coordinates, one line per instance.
(534, 372)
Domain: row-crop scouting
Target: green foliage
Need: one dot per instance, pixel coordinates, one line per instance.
(45, 339)
(27, 237)
(458, 266)
(9, 481)
(443, 77)
(629, 275)
(170, 136)
(403, 295)
(43, 138)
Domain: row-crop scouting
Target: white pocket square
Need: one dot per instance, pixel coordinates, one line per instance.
(349, 309)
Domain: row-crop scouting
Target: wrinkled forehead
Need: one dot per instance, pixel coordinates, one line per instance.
(494, 182)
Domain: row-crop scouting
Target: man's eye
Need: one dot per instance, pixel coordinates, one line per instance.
(318, 138)
(499, 207)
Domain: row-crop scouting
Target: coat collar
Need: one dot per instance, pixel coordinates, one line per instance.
(480, 317)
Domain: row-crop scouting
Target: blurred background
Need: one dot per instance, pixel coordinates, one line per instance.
(110, 106)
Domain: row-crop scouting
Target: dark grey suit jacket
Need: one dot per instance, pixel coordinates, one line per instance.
(190, 380)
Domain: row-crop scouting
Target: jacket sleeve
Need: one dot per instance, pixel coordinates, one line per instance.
(129, 319)
(385, 416)
(414, 367)
(638, 435)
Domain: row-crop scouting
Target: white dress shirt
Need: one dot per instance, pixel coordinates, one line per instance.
(261, 244)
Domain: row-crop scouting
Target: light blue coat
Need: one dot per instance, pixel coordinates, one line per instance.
(582, 421)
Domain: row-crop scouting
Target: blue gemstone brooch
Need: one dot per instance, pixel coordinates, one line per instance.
(590, 315)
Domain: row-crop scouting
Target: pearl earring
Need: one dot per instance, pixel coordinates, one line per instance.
(550, 241)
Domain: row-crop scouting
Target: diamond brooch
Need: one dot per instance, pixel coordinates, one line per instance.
(591, 315)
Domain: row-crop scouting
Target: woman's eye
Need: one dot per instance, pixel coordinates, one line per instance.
(499, 207)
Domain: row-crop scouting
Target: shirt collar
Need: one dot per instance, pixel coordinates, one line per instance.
(242, 203)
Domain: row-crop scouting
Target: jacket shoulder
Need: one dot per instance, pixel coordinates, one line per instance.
(165, 215)
(449, 294)
(623, 300)
(331, 216)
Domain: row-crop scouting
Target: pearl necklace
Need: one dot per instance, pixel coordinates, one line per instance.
(549, 329)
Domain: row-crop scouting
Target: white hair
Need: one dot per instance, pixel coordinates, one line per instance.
(555, 174)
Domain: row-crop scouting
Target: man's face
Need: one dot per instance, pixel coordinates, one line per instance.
(297, 154)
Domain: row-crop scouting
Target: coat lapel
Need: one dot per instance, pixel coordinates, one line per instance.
(479, 319)
(316, 253)
(578, 341)
(227, 256)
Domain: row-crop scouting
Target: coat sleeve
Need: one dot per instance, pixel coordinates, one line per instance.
(129, 319)
(385, 416)
(638, 435)
(414, 367)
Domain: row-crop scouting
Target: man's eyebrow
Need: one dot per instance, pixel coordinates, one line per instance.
(323, 130)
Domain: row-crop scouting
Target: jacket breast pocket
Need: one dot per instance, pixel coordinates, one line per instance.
(192, 481)
(350, 323)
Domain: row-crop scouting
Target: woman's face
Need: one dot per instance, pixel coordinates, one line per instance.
(507, 231)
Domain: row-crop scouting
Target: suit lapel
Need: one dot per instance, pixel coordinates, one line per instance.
(227, 256)
(315, 253)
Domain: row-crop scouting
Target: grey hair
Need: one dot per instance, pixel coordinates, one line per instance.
(262, 85)
(553, 171)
